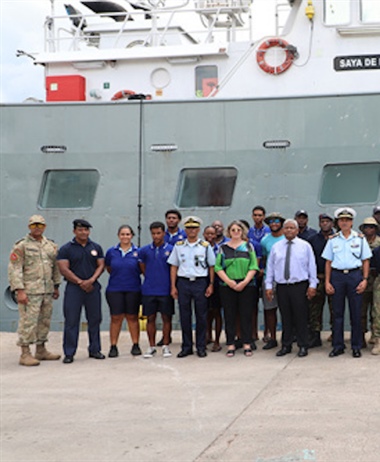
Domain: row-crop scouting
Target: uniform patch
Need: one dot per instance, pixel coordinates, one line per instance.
(13, 257)
(167, 253)
(135, 254)
(180, 242)
(94, 252)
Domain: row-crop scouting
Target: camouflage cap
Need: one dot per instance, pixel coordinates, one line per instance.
(37, 219)
(369, 221)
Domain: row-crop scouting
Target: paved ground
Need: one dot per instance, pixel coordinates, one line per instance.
(259, 409)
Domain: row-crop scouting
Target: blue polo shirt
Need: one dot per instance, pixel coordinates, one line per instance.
(171, 239)
(157, 270)
(83, 260)
(125, 270)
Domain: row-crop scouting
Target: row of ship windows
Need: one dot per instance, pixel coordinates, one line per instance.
(338, 12)
(212, 187)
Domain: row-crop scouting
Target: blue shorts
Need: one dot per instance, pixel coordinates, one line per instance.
(123, 302)
(154, 303)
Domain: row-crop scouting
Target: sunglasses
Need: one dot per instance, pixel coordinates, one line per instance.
(275, 220)
(37, 225)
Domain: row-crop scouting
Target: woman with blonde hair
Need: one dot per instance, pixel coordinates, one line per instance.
(236, 265)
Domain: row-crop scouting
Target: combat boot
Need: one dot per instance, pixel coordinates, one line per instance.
(26, 358)
(43, 354)
(376, 348)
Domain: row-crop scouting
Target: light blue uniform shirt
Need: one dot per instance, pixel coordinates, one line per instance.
(302, 264)
(192, 259)
(346, 253)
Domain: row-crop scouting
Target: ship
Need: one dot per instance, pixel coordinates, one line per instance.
(154, 104)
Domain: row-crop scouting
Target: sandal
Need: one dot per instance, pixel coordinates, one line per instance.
(216, 348)
(247, 352)
(230, 353)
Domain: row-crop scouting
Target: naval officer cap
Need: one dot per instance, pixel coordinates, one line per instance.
(274, 216)
(370, 221)
(37, 219)
(345, 212)
(192, 222)
(376, 209)
(79, 223)
(301, 212)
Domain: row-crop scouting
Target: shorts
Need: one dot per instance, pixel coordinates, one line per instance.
(123, 302)
(270, 305)
(154, 303)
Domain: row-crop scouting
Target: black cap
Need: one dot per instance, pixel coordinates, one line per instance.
(376, 209)
(79, 223)
(301, 212)
(326, 216)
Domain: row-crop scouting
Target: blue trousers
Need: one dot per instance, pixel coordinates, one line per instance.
(187, 292)
(345, 287)
(73, 301)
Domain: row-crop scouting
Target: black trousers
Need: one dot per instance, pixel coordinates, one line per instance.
(238, 302)
(294, 309)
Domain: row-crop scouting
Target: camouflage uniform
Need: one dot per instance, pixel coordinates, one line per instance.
(33, 268)
(368, 295)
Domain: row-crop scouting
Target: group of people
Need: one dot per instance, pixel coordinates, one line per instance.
(291, 266)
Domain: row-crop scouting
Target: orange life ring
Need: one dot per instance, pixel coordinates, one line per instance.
(270, 43)
(122, 94)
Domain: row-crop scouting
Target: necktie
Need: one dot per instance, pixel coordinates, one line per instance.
(287, 261)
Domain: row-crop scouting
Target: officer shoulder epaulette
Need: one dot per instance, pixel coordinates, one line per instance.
(204, 243)
(179, 242)
(334, 235)
(20, 240)
(361, 235)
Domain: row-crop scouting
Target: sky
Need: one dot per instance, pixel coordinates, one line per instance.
(22, 28)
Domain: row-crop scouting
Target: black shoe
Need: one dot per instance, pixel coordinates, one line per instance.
(336, 352)
(68, 359)
(302, 352)
(202, 353)
(253, 346)
(270, 344)
(315, 340)
(183, 354)
(136, 350)
(161, 342)
(356, 353)
(284, 351)
(97, 355)
(114, 352)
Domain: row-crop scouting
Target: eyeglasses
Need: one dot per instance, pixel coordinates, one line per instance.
(275, 220)
(235, 230)
(37, 225)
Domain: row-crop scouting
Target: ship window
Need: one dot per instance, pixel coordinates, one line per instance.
(206, 79)
(206, 187)
(370, 11)
(68, 189)
(350, 183)
(337, 12)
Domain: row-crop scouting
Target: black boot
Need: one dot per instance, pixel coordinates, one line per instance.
(315, 339)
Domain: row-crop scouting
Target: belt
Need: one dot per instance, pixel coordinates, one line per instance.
(291, 283)
(346, 271)
(192, 279)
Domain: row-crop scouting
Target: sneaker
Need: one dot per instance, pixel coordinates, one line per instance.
(136, 350)
(150, 352)
(114, 352)
(166, 353)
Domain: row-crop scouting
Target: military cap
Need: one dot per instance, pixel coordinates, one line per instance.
(192, 222)
(345, 212)
(369, 221)
(37, 219)
(376, 209)
(325, 216)
(273, 216)
(81, 223)
(301, 212)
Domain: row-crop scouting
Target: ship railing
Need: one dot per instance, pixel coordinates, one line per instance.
(207, 22)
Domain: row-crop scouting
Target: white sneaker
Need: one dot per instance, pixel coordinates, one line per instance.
(150, 352)
(166, 353)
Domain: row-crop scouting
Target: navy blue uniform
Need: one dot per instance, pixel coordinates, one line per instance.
(83, 261)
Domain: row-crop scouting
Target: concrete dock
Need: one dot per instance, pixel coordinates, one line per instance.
(258, 409)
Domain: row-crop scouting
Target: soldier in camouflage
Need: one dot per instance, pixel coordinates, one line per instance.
(34, 276)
